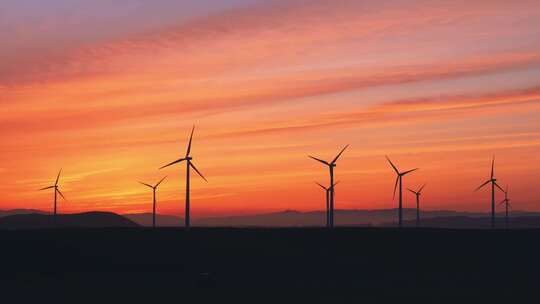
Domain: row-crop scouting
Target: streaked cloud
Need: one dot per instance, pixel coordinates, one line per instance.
(441, 84)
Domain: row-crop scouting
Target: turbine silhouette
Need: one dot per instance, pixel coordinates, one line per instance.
(506, 202)
(417, 193)
(494, 184)
(399, 178)
(327, 191)
(331, 167)
(154, 200)
(189, 165)
(56, 190)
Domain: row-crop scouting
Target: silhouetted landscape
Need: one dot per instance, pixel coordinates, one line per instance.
(21, 211)
(349, 218)
(80, 220)
(28, 218)
(145, 219)
(465, 222)
(124, 255)
(372, 261)
(383, 148)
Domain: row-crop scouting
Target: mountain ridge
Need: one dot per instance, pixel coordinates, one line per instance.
(292, 218)
(344, 217)
(93, 219)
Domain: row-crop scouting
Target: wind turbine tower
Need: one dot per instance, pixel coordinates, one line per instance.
(56, 191)
(327, 191)
(417, 193)
(506, 202)
(331, 165)
(189, 165)
(494, 184)
(399, 179)
(154, 200)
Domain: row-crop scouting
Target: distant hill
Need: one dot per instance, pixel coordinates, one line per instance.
(21, 211)
(145, 219)
(292, 218)
(379, 217)
(277, 219)
(287, 218)
(79, 220)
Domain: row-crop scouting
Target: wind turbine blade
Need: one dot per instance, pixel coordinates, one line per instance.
(146, 185)
(174, 162)
(498, 186)
(421, 188)
(482, 185)
(58, 177)
(321, 186)
(407, 172)
(61, 194)
(391, 164)
(339, 155)
(412, 191)
(395, 187)
(319, 160)
(502, 202)
(160, 181)
(492, 167)
(194, 168)
(50, 187)
(190, 139)
(335, 184)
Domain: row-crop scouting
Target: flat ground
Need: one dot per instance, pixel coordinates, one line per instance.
(370, 261)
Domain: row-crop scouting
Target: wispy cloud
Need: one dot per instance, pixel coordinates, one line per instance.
(401, 111)
(266, 82)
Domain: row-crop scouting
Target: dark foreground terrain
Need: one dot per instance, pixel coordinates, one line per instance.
(370, 262)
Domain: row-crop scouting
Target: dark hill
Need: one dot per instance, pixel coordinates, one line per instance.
(349, 218)
(145, 219)
(79, 220)
(356, 218)
(288, 218)
(20, 211)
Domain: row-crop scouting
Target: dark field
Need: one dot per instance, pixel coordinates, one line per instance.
(371, 262)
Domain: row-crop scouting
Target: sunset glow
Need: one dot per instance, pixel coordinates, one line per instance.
(109, 92)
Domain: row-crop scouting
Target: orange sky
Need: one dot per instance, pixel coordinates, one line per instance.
(109, 94)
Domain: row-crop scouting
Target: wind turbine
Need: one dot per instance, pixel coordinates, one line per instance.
(331, 167)
(154, 205)
(506, 202)
(56, 190)
(494, 184)
(189, 165)
(417, 193)
(399, 179)
(327, 190)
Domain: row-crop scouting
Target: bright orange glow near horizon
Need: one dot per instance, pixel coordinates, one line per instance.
(109, 94)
